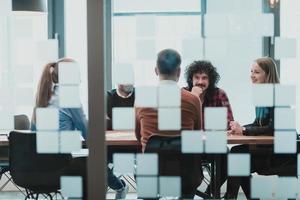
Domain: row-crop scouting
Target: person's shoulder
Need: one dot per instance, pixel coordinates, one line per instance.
(185, 88)
(111, 92)
(185, 92)
(220, 90)
(140, 111)
(188, 95)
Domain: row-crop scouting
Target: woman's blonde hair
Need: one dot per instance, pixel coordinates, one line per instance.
(270, 68)
(48, 79)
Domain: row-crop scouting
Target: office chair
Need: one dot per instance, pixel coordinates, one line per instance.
(21, 122)
(37, 173)
(174, 163)
(206, 166)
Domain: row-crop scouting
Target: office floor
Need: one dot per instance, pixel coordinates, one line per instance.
(110, 195)
(14, 195)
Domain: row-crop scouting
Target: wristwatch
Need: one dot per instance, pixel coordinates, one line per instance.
(243, 130)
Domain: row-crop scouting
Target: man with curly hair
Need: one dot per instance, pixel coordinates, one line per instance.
(202, 78)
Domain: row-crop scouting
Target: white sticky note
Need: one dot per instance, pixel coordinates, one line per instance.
(145, 76)
(262, 186)
(192, 141)
(234, 6)
(298, 164)
(27, 96)
(123, 73)
(5, 7)
(47, 142)
(285, 95)
(145, 49)
(7, 98)
(71, 186)
(237, 25)
(264, 24)
(285, 142)
(192, 48)
(216, 142)
(124, 163)
(69, 96)
(166, 42)
(285, 48)
(22, 27)
(229, 25)
(229, 47)
(216, 25)
(70, 141)
(68, 73)
(263, 95)
(147, 187)
(147, 164)
(217, 53)
(120, 45)
(286, 188)
(285, 119)
(123, 118)
(169, 118)
(298, 186)
(25, 52)
(6, 120)
(186, 26)
(146, 26)
(157, 6)
(243, 167)
(146, 96)
(169, 95)
(24, 75)
(252, 49)
(215, 118)
(170, 186)
(47, 50)
(47, 119)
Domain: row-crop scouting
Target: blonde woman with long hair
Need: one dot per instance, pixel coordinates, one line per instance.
(263, 71)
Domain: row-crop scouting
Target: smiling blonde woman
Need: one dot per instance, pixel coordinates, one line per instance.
(263, 70)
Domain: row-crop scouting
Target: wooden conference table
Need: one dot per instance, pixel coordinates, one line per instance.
(126, 140)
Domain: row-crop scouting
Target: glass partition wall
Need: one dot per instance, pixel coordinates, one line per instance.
(35, 82)
(230, 34)
(120, 46)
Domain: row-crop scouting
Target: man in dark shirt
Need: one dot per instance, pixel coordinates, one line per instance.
(122, 96)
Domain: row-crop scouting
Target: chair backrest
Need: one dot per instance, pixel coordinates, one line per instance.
(171, 162)
(161, 143)
(37, 172)
(21, 122)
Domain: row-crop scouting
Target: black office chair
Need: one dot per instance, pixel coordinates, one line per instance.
(37, 173)
(206, 166)
(21, 122)
(282, 165)
(174, 163)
